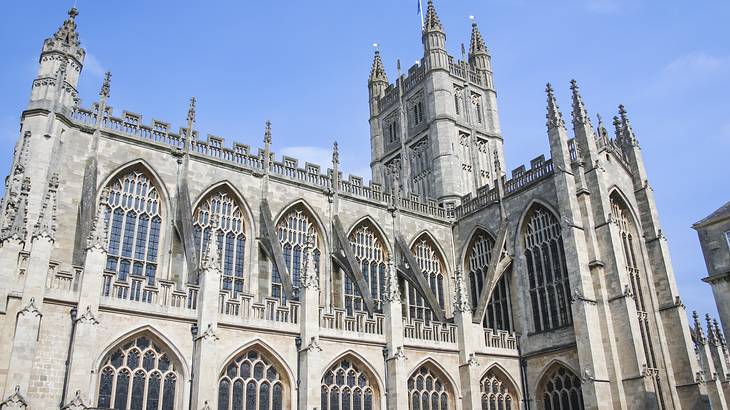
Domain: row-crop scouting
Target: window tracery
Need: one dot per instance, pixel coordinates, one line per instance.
(497, 394)
(431, 265)
(427, 391)
(250, 382)
(371, 254)
(562, 390)
(293, 229)
(346, 387)
(498, 314)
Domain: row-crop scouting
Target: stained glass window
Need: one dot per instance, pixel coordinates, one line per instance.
(250, 382)
(293, 229)
(371, 254)
(230, 235)
(561, 390)
(547, 271)
(134, 220)
(346, 387)
(138, 375)
(431, 266)
(498, 314)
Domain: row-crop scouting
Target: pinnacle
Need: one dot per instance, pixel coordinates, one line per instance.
(554, 117)
(377, 72)
(267, 133)
(477, 41)
(191, 110)
(580, 113)
(67, 34)
(335, 153)
(432, 21)
(627, 134)
(106, 85)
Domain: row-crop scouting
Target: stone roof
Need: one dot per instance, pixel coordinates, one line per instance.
(721, 213)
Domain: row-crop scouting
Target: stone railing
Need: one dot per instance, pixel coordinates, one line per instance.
(244, 307)
(432, 331)
(500, 339)
(137, 289)
(160, 133)
(464, 72)
(359, 322)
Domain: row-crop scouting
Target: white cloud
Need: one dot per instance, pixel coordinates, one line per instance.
(93, 66)
(686, 73)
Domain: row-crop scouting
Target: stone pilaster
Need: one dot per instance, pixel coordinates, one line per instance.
(469, 337)
(310, 368)
(397, 379)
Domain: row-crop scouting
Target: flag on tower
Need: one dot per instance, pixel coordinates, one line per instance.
(420, 12)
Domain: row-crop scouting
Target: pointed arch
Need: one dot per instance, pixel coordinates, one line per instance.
(540, 238)
(476, 229)
(432, 264)
(432, 387)
(226, 184)
(135, 206)
(255, 373)
(350, 382)
(426, 234)
(233, 233)
(367, 219)
(559, 387)
(614, 192)
(498, 389)
(371, 250)
(526, 212)
(141, 369)
(139, 164)
(310, 209)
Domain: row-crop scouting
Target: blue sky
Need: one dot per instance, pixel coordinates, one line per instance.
(304, 66)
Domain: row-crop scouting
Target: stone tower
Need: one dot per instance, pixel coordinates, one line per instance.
(436, 129)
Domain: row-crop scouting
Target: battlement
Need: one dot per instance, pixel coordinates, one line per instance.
(241, 155)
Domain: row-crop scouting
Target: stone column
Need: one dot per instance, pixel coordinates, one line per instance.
(205, 359)
(397, 379)
(310, 367)
(81, 385)
(469, 340)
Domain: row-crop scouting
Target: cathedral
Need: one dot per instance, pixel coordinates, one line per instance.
(146, 267)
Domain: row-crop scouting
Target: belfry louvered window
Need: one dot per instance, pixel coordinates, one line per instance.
(427, 391)
(250, 382)
(134, 222)
(230, 235)
(547, 271)
(431, 266)
(346, 387)
(293, 230)
(138, 375)
(561, 390)
(370, 253)
(498, 314)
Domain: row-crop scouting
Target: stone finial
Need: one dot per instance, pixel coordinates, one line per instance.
(627, 136)
(699, 332)
(432, 21)
(267, 134)
(580, 113)
(711, 335)
(211, 256)
(76, 403)
(719, 333)
(191, 110)
(461, 300)
(602, 134)
(477, 45)
(463, 53)
(309, 278)
(392, 290)
(98, 236)
(15, 401)
(617, 128)
(46, 224)
(67, 34)
(377, 71)
(554, 117)
(106, 85)
(335, 155)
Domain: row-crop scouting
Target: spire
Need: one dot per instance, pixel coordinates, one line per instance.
(432, 22)
(617, 128)
(67, 34)
(46, 225)
(211, 257)
(718, 331)
(461, 302)
(98, 234)
(628, 136)
(602, 135)
(477, 41)
(699, 332)
(267, 134)
(711, 334)
(106, 85)
(377, 72)
(554, 117)
(335, 155)
(580, 113)
(190, 134)
(191, 111)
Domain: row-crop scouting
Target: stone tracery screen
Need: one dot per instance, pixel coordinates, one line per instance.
(346, 387)
(140, 374)
(230, 235)
(250, 382)
(370, 253)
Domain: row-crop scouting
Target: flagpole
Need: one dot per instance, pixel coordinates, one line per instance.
(420, 12)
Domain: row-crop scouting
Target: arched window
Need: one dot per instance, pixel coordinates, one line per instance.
(427, 390)
(292, 230)
(371, 254)
(134, 222)
(431, 265)
(561, 390)
(498, 314)
(497, 393)
(546, 270)
(251, 382)
(231, 235)
(140, 374)
(346, 387)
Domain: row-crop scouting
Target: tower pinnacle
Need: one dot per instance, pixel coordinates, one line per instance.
(67, 34)
(554, 117)
(627, 135)
(580, 113)
(377, 72)
(477, 45)
(106, 85)
(432, 22)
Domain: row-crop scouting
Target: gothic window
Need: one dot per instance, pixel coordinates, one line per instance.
(390, 128)
(427, 390)
(476, 101)
(497, 392)
(134, 222)
(432, 267)
(371, 255)
(140, 374)
(417, 113)
(251, 382)
(498, 314)
(293, 229)
(230, 235)
(546, 270)
(346, 387)
(561, 390)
